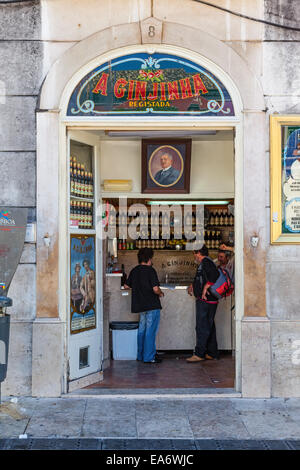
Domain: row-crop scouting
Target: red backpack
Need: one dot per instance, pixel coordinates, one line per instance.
(223, 287)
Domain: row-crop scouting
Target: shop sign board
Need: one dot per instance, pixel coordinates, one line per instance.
(12, 235)
(159, 84)
(285, 179)
(82, 283)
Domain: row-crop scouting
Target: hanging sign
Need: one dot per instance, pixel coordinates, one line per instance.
(143, 84)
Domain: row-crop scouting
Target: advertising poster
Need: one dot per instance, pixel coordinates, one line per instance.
(82, 283)
(290, 179)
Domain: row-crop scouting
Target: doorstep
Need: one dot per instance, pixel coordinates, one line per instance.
(142, 393)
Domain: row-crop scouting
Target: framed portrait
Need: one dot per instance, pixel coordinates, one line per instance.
(166, 165)
(285, 179)
(82, 283)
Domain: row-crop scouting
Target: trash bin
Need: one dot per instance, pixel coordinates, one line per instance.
(4, 342)
(124, 340)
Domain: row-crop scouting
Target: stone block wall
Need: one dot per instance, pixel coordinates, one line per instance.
(21, 58)
(281, 83)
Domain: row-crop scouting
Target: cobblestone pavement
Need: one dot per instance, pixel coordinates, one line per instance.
(126, 421)
(145, 444)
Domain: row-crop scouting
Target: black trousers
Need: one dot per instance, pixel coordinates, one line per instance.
(206, 339)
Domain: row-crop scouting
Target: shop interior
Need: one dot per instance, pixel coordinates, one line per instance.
(113, 172)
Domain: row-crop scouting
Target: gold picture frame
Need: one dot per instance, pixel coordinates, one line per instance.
(285, 179)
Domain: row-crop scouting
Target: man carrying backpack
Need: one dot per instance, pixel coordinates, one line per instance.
(206, 306)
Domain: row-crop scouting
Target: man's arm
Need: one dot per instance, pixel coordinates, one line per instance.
(157, 290)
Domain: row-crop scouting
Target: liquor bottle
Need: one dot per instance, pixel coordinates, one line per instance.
(205, 237)
(91, 185)
(217, 218)
(231, 219)
(90, 206)
(71, 182)
(87, 221)
(226, 219)
(219, 239)
(124, 276)
(209, 239)
(212, 219)
(213, 240)
(221, 218)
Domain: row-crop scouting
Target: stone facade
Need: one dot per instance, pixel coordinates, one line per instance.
(43, 44)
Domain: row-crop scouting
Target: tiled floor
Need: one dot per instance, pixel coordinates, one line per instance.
(173, 372)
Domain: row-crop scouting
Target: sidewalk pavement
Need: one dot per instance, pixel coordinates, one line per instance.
(190, 418)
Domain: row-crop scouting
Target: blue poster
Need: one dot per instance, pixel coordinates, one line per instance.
(82, 283)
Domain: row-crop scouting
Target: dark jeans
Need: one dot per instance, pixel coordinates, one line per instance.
(206, 342)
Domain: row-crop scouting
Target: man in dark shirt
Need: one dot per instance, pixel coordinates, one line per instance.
(206, 306)
(146, 292)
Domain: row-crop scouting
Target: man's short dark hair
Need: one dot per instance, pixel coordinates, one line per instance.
(203, 250)
(145, 254)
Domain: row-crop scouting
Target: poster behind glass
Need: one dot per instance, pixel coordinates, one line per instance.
(82, 283)
(290, 199)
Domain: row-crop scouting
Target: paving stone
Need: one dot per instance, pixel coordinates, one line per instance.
(108, 427)
(161, 426)
(215, 420)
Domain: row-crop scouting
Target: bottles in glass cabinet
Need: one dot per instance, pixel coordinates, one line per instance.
(220, 218)
(82, 214)
(212, 239)
(81, 181)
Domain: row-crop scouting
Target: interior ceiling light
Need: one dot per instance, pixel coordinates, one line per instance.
(187, 203)
(154, 134)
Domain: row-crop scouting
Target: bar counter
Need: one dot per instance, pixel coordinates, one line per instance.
(177, 321)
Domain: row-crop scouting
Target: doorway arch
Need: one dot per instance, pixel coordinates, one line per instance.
(63, 76)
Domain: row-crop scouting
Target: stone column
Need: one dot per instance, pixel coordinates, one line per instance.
(47, 340)
(255, 334)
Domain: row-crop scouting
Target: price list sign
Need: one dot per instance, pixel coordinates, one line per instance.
(285, 179)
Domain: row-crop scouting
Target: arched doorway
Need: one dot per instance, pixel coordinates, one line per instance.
(60, 125)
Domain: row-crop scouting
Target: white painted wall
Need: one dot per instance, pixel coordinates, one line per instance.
(212, 166)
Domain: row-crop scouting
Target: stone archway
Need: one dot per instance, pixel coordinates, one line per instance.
(59, 81)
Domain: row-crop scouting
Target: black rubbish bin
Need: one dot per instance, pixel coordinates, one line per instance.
(4, 342)
(124, 340)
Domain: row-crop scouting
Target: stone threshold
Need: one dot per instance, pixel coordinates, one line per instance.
(151, 393)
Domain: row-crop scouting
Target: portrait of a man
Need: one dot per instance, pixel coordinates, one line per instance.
(168, 174)
(166, 165)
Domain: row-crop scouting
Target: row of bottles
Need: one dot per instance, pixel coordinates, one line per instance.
(83, 213)
(220, 218)
(81, 181)
(212, 239)
(123, 219)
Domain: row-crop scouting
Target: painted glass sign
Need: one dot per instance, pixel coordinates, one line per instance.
(143, 84)
(290, 179)
(82, 283)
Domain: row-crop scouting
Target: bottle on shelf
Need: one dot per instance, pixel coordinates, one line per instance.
(124, 276)
(212, 219)
(226, 223)
(217, 218)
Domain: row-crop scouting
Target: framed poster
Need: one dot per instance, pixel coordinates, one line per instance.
(82, 283)
(285, 179)
(166, 166)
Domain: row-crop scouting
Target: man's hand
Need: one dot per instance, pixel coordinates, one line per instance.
(158, 291)
(190, 290)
